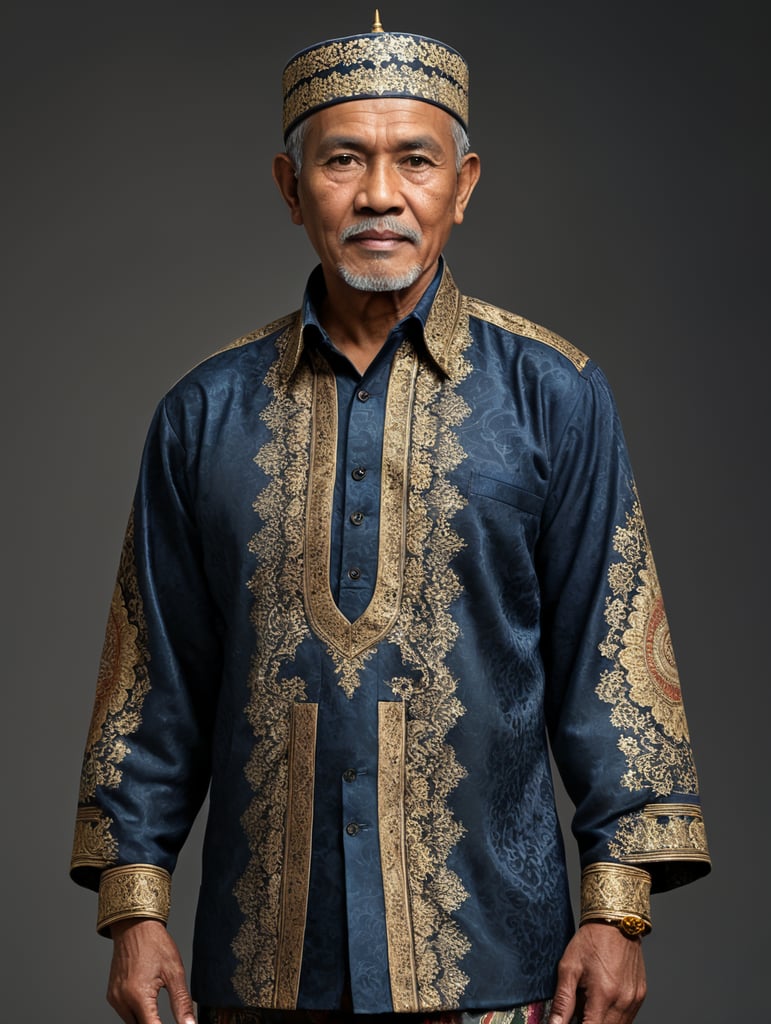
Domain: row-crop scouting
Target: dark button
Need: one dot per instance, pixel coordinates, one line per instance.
(352, 828)
(359, 473)
(349, 775)
(354, 573)
(357, 518)
(362, 395)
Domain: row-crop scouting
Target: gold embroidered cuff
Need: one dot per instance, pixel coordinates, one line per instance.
(133, 890)
(611, 892)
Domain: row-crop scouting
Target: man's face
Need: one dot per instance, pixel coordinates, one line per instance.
(379, 192)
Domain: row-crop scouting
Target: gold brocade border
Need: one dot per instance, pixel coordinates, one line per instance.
(274, 327)
(94, 845)
(379, 47)
(661, 832)
(297, 852)
(351, 639)
(393, 855)
(280, 626)
(425, 633)
(133, 890)
(519, 325)
(374, 65)
(446, 330)
(613, 891)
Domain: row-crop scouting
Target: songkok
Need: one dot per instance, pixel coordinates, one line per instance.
(377, 64)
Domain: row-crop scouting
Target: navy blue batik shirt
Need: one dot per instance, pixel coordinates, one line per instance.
(352, 607)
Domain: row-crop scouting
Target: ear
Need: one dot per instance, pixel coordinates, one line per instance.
(468, 176)
(286, 180)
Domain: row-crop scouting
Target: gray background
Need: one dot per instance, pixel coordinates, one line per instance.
(623, 203)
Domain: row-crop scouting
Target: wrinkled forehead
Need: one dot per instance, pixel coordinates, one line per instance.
(380, 120)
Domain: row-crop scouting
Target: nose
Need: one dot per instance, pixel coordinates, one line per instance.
(380, 189)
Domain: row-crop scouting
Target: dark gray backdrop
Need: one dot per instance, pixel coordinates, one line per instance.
(623, 203)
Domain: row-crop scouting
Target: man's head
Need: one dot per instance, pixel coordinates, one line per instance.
(377, 167)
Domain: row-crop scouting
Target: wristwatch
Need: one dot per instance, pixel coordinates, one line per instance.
(630, 924)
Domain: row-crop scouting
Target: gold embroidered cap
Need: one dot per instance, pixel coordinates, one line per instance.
(377, 64)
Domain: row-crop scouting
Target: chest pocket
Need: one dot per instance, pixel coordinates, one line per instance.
(509, 494)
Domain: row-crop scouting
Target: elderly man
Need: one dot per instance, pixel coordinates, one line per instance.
(379, 549)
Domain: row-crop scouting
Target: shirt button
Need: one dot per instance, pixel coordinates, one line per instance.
(354, 573)
(349, 775)
(359, 473)
(352, 828)
(362, 395)
(357, 518)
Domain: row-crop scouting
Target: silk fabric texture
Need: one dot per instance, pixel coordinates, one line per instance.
(381, 808)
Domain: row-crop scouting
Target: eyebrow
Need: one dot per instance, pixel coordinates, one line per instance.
(419, 143)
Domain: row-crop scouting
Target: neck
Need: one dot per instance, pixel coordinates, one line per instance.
(359, 322)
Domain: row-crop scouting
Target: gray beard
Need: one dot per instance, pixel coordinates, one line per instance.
(383, 282)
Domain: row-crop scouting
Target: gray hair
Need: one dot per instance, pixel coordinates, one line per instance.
(296, 140)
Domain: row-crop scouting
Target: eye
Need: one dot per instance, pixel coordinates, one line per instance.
(415, 161)
(342, 160)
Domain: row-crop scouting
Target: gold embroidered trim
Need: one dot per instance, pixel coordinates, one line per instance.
(94, 846)
(393, 855)
(425, 633)
(122, 685)
(343, 69)
(519, 325)
(133, 890)
(351, 639)
(643, 685)
(661, 832)
(262, 332)
(280, 626)
(297, 853)
(446, 330)
(613, 891)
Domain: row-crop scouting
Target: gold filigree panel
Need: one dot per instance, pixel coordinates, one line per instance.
(123, 680)
(661, 832)
(297, 852)
(349, 641)
(393, 854)
(94, 845)
(280, 625)
(425, 633)
(643, 686)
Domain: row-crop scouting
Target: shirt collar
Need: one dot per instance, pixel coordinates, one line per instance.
(437, 313)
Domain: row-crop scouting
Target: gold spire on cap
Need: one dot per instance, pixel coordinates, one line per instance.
(377, 24)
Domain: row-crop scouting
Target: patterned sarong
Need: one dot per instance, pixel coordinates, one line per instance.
(532, 1013)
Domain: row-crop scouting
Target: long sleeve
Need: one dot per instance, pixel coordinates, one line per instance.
(613, 701)
(146, 764)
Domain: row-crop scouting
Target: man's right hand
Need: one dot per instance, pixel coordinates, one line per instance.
(145, 959)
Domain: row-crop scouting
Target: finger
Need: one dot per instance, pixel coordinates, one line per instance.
(620, 1010)
(564, 1001)
(181, 1005)
(134, 1012)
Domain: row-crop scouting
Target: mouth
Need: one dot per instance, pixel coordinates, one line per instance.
(379, 234)
(379, 240)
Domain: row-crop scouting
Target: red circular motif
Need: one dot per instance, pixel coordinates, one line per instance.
(659, 656)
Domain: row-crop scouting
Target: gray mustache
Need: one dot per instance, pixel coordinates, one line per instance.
(380, 224)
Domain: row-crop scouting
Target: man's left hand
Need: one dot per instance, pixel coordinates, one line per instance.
(601, 977)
